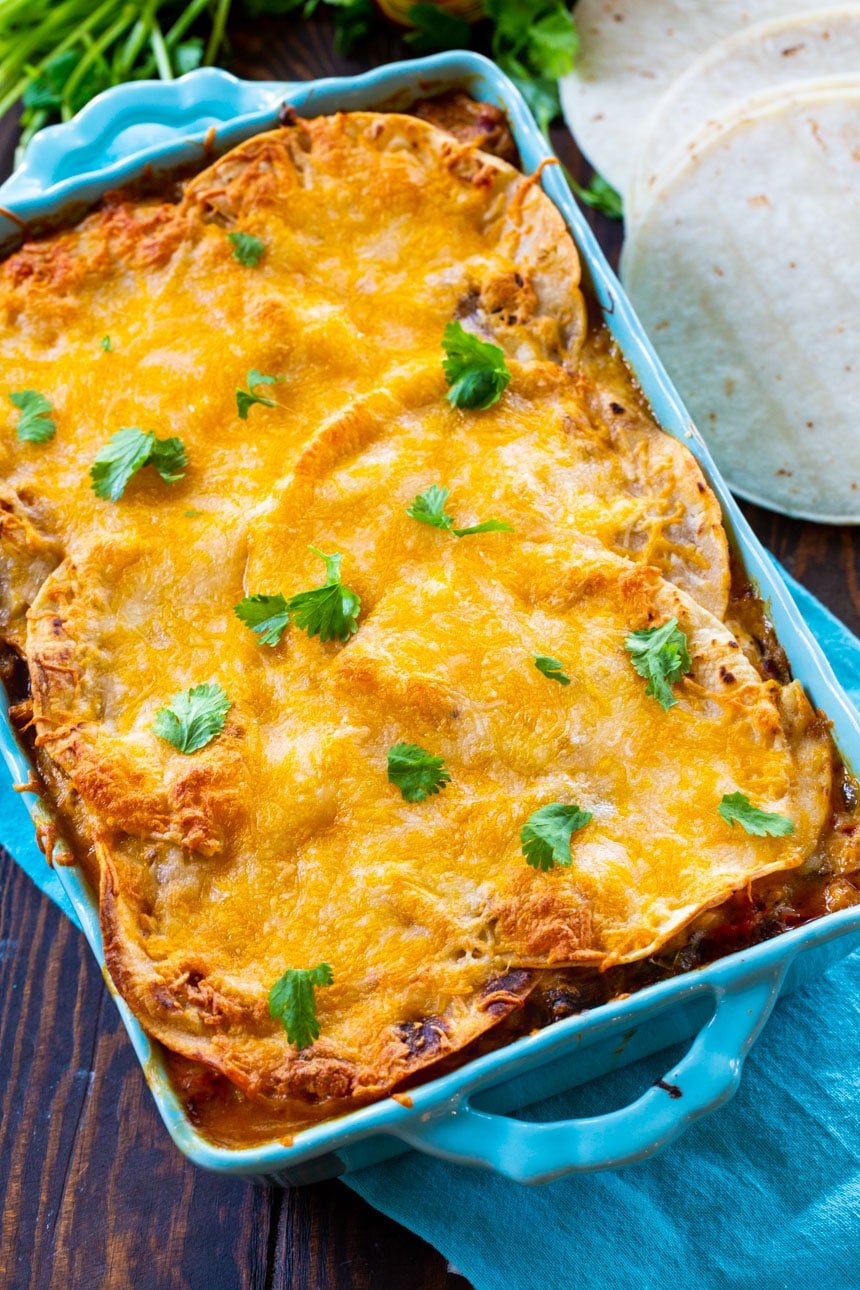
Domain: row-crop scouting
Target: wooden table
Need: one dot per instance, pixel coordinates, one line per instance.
(93, 1192)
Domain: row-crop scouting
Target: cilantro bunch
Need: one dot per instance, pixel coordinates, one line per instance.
(533, 41)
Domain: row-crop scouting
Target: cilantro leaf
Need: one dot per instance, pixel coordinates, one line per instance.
(169, 459)
(45, 93)
(268, 616)
(736, 807)
(600, 195)
(34, 423)
(429, 508)
(330, 611)
(193, 718)
(293, 1003)
(552, 668)
(106, 345)
(436, 29)
(475, 370)
(245, 399)
(248, 250)
(553, 42)
(128, 451)
(416, 772)
(660, 654)
(546, 834)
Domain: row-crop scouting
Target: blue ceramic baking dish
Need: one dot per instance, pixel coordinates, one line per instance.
(464, 1116)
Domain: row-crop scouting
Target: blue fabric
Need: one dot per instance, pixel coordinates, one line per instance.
(762, 1195)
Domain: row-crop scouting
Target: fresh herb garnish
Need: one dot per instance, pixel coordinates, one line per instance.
(535, 42)
(416, 772)
(128, 451)
(429, 508)
(293, 1003)
(330, 611)
(105, 343)
(246, 399)
(600, 195)
(248, 250)
(736, 807)
(660, 654)
(268, 616)
(552, 668)
(435, 29)
(546, 834)
(475, 370)
(193, 718)
(34, 424)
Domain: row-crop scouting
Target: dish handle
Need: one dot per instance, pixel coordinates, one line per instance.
(134, 120)
(702, 1080)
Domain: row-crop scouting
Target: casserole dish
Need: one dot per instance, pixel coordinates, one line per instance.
(457, 1115)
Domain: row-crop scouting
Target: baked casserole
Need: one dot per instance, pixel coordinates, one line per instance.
(385, 664)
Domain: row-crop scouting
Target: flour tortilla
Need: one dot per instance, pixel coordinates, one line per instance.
(746, 275)
(631, 51)
(797, 51)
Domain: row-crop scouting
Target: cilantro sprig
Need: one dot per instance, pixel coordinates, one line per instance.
(736, 808)
(128, 451)
(416, 772)
(292, 1002)
(35, 424)
(245, 399)
(247, 249)
(552, 668)
(429, 508)
(268, 616)
(546, 834)
(660, 654)
(475, 370)
(193, 718)
(330, 611)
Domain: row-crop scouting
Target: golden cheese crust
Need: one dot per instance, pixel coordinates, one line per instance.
(287, 823)
(281, 843)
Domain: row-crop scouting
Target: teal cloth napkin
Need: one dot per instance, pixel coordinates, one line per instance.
(762, 1195)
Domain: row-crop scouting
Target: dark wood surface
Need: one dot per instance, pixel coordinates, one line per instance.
(93, 1193)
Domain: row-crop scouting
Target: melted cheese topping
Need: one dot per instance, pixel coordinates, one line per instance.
(282, 843)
